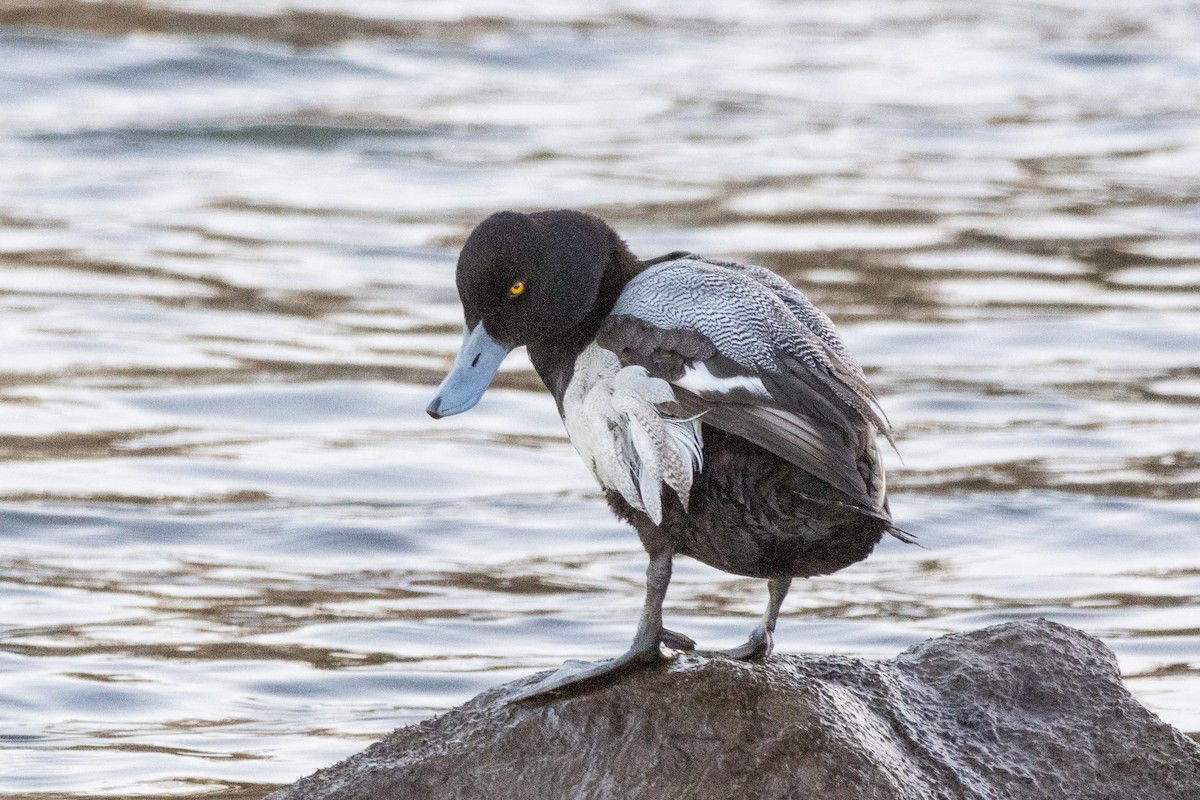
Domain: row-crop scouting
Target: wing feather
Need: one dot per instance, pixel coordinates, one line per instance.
(814, 448)
(753, 357)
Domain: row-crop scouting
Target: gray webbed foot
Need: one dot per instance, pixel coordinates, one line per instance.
(677, 641)
(577, 677)
(759, 646)
(761, 640)
(583, 676)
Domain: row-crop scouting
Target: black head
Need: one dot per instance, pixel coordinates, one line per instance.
(531, 277)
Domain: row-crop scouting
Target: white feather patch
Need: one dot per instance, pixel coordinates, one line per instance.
(612, 417)
(697, 378)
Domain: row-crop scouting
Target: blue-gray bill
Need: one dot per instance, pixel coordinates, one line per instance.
(478, 359)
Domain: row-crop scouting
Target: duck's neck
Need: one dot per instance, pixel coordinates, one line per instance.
(554, 358)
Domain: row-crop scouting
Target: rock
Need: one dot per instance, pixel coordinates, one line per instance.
(1021, 710)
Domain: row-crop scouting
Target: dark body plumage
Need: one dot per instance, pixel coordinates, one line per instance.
(716, 406)
(752, 513)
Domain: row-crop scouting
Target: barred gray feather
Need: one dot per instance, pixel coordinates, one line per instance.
(798, 303)
(693, 293)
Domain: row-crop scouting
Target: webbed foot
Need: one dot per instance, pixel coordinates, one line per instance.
(677, 641)
(582, 676)
(646, 650)
(759, 646)
(762, 642)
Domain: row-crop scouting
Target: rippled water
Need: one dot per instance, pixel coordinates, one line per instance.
(234, 547)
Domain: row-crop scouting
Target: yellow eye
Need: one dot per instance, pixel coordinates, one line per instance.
(516, 289)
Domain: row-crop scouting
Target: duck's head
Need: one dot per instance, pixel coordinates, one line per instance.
(524, 279)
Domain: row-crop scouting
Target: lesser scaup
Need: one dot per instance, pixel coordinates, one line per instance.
(715, 404)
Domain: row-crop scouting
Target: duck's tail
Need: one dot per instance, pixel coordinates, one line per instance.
(904, 536)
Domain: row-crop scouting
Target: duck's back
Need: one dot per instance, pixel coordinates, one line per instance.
(790, 482)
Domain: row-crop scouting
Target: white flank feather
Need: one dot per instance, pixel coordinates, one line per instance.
(613, 419)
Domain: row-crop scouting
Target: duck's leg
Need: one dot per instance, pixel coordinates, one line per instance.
(761, 640)
(584, 675)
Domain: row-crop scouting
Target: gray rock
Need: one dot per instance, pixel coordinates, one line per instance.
(1020, 710)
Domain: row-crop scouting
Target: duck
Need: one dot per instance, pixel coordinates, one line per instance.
(717, 407)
